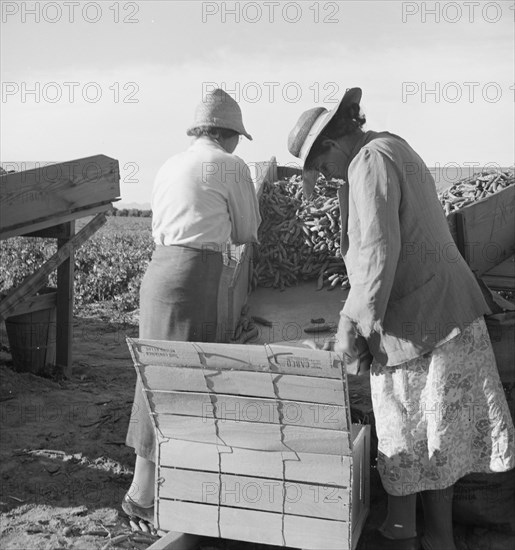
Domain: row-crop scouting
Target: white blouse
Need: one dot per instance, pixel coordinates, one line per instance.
(203, 197)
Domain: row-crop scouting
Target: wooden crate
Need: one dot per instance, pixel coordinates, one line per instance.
(484, 231)
(255, 443)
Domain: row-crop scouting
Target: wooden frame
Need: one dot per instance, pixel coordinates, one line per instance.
(56, 193)
(45, 202)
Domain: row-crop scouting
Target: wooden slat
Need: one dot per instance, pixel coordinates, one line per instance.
(35, 281)
(360, 483)
(251, 526)
(64, 311)
(316, 468)
(269, 358)
(256, 493)
(171, 378)
(302, 388)
(36, 303)
(177, 453)
(34, 227)
(317, 501)
(59, 231)
(56, 189)
(252, 435)
(248, 409)
(187, 517)
(189, 485)
(256, 384)
(316, 534)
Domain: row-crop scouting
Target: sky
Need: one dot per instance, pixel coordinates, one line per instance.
(123, 78)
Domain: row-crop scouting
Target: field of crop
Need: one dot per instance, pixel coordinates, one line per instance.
(108, 267)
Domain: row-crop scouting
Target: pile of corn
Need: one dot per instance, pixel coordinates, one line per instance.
(474, 188)
(299, 239)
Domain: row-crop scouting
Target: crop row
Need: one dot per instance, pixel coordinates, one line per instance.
(109, 266)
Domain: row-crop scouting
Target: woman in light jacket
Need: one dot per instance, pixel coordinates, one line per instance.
(439, 406)
(201, 198)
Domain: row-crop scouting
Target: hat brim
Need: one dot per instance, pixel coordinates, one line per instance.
(189, 131)
(353, 95)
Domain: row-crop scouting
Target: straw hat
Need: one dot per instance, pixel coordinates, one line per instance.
(313, 122)
(308, 128)
(218, 109)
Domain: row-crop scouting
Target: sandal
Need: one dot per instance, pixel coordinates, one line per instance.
(133, 509)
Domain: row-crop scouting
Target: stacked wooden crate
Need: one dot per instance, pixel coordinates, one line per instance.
(255, 443)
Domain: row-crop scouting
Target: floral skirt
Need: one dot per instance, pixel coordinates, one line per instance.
(442, 416)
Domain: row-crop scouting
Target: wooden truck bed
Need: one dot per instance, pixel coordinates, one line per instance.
(478, 230)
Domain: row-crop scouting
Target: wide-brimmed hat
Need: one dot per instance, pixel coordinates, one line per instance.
(308, 128)
(218, 109)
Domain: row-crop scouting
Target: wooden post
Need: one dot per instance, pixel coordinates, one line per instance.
(65, 305)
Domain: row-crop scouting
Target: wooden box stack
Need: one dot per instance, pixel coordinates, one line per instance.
(255, 443)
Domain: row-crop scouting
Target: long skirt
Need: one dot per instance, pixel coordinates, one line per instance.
(178, 301)
(442, 416)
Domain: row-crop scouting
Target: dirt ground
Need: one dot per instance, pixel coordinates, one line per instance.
(64, 466)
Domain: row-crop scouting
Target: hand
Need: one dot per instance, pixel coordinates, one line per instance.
(345, 339)
(329, 343)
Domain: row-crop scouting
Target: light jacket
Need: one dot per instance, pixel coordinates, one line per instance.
(203, 197)
(411, 290)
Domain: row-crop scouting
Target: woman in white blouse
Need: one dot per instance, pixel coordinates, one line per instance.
(202, 198)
